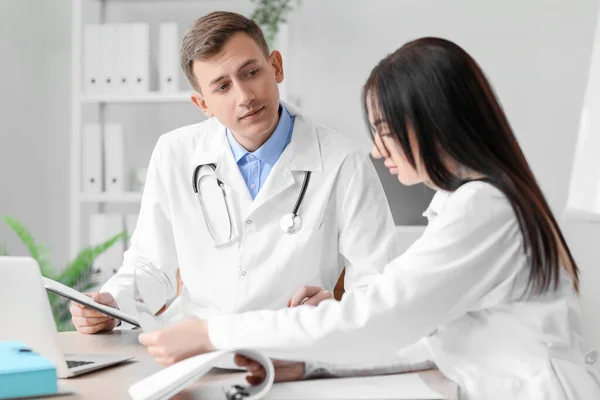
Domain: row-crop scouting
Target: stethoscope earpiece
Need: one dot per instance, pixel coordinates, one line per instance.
(290, 223)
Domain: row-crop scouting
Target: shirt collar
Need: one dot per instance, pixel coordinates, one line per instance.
(271, 150)
(437, 204)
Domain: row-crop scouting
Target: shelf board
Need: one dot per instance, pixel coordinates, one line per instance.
(126, 197)
(150, 97)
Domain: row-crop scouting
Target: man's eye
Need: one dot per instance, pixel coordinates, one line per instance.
(253, 72)
(222, 87)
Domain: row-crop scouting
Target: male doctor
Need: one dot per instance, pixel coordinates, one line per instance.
(252, 203)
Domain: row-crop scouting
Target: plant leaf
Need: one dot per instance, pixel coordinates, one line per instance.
(40, 252)
(79, 271)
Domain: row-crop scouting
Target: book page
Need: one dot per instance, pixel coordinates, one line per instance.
(168, 382)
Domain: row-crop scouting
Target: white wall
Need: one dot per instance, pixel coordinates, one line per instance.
(582, 219)
(34, 120)
(536, 53)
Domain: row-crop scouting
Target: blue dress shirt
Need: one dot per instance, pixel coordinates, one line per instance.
(256, 166)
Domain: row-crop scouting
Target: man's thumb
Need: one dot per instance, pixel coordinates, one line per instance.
(102, 298)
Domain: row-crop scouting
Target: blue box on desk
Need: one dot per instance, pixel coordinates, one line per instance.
(24, 373)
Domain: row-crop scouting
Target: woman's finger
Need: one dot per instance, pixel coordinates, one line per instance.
(304, 292)
(319, 297)
(156, 351)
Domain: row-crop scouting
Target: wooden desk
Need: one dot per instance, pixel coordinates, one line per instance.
(113, 382)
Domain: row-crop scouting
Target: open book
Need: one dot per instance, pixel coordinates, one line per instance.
(168, 382)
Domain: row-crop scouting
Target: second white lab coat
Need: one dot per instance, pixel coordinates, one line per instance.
(460, 286)
(346, 222)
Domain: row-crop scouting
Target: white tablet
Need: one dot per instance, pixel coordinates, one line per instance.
(78, 297)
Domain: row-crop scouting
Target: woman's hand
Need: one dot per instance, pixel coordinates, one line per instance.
(311, 295)
(178, 342)
(285, 371)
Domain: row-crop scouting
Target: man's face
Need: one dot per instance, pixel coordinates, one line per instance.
(239, 87)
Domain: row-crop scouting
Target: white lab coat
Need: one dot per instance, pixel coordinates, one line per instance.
(459, 286)
(346, 222)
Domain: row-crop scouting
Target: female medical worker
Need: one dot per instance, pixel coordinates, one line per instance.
(491, 283)
(252, 203)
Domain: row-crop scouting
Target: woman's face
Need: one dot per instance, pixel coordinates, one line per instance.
(388, 147)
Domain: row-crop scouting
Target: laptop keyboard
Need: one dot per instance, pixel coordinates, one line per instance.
(73, 364)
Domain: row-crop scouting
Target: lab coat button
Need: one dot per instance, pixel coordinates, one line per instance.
(243, 273)
(248, 221)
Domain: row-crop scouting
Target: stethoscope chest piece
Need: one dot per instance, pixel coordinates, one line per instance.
(290, 223)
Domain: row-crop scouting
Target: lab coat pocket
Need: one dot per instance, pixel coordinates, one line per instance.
(302, 256)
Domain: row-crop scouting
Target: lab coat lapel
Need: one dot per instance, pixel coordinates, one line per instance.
(302, 154)
(215, 149)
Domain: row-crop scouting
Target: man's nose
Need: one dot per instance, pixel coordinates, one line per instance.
(245, 96)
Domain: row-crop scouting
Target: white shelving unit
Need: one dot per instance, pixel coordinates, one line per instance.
(183, 97)
(99, 202)
(127, 197)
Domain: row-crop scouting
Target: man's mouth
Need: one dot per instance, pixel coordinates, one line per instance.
(252, 113)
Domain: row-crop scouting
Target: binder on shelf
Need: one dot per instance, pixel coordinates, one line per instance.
(106, 59)
(91, 59)
(131, 221)
(140, 57)
(168, 57)
(103, 227)
(123, 68)
(114, 158)
(91, 159)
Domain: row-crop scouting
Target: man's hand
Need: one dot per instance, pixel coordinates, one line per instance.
(178, 342)
(311, 295)
(285, 371)
(91, 321)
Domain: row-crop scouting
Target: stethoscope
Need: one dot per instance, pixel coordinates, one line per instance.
(290, 223)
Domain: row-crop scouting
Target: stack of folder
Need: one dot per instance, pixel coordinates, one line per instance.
(24, 373)
(116, 58)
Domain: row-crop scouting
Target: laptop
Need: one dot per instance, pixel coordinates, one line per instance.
(26, 316)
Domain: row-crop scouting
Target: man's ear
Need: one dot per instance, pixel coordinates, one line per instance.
(199, 101)
(277, 63)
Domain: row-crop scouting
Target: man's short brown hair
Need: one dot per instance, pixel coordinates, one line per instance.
(207, 36)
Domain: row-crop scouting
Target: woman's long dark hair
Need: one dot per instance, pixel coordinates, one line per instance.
(436, 87)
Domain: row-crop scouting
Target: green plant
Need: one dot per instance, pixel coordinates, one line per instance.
(269, 14)
(77, 274)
